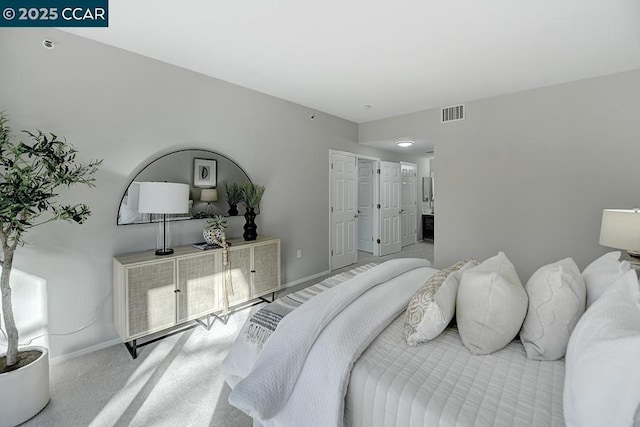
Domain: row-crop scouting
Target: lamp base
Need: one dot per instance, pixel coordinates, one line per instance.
(167, 251)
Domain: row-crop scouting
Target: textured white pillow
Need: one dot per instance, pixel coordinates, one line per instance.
(602, 373)
(556, 302)
(491, 305)
(601, 273)
(433, 306)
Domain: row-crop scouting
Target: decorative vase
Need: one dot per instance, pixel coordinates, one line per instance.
(250, 227)
(233, 210)
(212, 234)
(25, 390)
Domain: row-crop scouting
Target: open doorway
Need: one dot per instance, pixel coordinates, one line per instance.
(366, 208)
(353, 207)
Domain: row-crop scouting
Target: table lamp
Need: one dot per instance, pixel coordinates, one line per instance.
(620, 229)
(209, 195)
(163, 198)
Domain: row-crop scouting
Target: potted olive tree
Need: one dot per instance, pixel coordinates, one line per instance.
(31, 173)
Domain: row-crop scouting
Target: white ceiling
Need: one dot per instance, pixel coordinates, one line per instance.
(336, 56)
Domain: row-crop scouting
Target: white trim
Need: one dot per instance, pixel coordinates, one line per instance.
(87, 350)
(304, 279)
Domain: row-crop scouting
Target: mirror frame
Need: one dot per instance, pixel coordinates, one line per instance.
(133, 179)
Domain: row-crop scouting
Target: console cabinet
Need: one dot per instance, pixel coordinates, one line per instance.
(153, 293)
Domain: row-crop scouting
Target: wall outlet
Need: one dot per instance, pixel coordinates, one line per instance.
(299, 253)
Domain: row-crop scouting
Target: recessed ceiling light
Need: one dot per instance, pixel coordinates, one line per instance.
(405, 144)
(367, 107)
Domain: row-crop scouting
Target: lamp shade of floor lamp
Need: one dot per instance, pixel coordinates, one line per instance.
(620, 229)
(163, 198)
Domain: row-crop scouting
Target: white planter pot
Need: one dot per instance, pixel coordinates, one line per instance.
(25, 391)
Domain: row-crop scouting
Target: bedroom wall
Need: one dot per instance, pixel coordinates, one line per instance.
(127, 110)
(530, 173)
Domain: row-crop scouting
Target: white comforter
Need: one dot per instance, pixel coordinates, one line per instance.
(301, 375)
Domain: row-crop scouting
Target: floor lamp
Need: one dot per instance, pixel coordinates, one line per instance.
(163, 198)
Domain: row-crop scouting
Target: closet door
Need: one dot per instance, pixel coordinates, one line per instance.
(408, 215)
(389, 208)
(344, 210)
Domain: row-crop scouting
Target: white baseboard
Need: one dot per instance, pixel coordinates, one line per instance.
(304, 279)
(84, 351)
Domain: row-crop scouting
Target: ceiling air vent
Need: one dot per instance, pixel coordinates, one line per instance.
(452, 114)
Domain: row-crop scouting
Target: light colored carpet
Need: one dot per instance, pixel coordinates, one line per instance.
(173, 382)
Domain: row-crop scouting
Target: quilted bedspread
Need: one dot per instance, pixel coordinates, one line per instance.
(301, 375)
(440, 383)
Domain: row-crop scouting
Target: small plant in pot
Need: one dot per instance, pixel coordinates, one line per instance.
(251, 195)
(31, 173)
(234, 196)
(213, 230)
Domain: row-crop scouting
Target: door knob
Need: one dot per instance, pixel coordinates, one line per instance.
(356, 215)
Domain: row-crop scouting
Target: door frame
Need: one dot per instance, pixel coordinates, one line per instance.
(376, 201)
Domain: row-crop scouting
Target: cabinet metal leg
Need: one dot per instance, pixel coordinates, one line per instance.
(207, 325)
(223, 319)
(132, 348)
(273, 298)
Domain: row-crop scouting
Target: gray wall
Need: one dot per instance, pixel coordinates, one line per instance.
(127, 110)
(529, 173)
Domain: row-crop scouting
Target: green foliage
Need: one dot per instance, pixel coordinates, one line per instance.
(217, 222)
(252, 194)
(233, 192)
(30, 175)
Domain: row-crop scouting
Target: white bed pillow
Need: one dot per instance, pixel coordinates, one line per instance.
(603, 360)
(431, 308)
(603, 272)
(556, 302)
(491, 305)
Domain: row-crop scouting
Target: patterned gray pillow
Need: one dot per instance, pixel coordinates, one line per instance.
(433, 306)
(557, 295)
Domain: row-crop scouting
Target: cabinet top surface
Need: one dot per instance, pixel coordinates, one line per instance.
(179, 251)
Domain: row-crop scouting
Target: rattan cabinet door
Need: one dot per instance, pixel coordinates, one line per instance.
(240, 265)
(198, 285)
(150, 297)
(266, 268)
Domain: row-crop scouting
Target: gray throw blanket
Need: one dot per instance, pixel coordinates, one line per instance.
(265, 321)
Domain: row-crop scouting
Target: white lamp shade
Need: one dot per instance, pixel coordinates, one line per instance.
(620, 229)
(163, 198)
(209, 195)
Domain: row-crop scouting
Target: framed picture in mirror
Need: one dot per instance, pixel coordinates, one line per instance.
(204, 173)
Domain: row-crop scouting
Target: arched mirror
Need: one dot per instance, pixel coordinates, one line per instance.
(203, 170)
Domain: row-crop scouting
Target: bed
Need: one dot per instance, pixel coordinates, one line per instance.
(356, 369)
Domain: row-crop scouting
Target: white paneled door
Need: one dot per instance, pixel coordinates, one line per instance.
(389, 208)
(408, 216)
(344, 210)
(365, 205)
